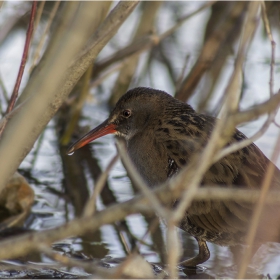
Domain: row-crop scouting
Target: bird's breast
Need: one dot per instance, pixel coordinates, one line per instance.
(149, 157)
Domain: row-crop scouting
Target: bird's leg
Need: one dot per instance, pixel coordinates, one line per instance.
(202, 256)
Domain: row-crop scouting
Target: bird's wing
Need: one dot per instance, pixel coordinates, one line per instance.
(244, 168)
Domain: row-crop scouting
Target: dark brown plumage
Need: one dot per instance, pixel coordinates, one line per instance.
(162, 133)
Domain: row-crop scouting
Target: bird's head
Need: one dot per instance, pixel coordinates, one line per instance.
(135, 110)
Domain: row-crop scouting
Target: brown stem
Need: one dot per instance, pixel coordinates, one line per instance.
(24, 57)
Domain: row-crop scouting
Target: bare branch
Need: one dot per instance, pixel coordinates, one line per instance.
(258, 211)
(273, 44)
(146, 42)
(90, 206)
(43, 96)
(138, 181)
(224, 128)
(90, 267)
(24, 58)
(44, 35)
(266, 107)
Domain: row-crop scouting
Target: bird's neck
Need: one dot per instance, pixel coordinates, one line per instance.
(149, 157)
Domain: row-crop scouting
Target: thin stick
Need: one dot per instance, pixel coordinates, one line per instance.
(258, 110)
(39, 14)
(90, 206)
(106, 74)
(37, 20)
(246, 142)
(137, 179)
(77, 108)
(258, 211)
(269, 34)
(30, 242)
(273, 44)
(24, 58)
(173, 249)
(36, 151)
(90, 267)
(146, 42)
(181, 77)
(224, 127)
(271, 82)
(184, 18)
(5, 93)
(43, 38)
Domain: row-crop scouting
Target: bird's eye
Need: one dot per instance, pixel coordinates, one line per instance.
(126, 113)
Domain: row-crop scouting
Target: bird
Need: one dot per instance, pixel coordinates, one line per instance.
(161, 134)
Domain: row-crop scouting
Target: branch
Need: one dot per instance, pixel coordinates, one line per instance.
(21, 245)
(266, 184)
(264, 108)
(43, 98)
(24, 58)
(90, 206)
(90, 267)
(44, 35)
(139, 182)
(224, 128)
(145, 42)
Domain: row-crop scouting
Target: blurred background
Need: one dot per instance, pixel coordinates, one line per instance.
(160, 45)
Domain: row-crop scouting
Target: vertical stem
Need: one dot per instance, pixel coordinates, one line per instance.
(258, 211)
(24, 58)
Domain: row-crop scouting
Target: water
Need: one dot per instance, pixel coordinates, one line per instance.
(58, 201)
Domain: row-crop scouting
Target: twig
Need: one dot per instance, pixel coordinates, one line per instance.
(39, 14)
(276, 124)
(211, 48)
(216, 193)
(124, 243)
(181, 77)
(43, 37)
(24, 58)
(173, 249)
(5, 93)
(31, 267)
(224, 127)
(90, 206)
(90, 267)
(151, 229)
(273, 44)
(258, 110)
(138, 181)
(107, 27)
(76, 109)
(98, 80)
(21, 68)
(41, 105)
(258, 210)
(7, 117)
(244, 143)
(146, 42)
(104, 75)
(145, 26)
(30, 242)
(36, 151)
(184, 18)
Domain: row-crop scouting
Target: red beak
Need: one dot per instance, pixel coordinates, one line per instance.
(101, 130)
